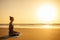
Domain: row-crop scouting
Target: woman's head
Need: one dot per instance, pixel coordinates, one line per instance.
(11, 19)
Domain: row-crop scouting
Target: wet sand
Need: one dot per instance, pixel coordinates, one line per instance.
(33, 34)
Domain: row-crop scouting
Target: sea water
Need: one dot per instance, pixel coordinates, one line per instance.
(35, 32)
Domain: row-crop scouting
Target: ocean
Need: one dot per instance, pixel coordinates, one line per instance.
(33, 32)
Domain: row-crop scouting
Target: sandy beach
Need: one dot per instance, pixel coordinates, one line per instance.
(33, 34)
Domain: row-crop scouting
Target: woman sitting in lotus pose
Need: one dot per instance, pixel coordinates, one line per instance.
(11, 31)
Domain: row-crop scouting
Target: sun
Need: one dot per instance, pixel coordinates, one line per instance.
(46, 13)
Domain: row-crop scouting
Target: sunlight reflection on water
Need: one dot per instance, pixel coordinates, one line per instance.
(31, 26)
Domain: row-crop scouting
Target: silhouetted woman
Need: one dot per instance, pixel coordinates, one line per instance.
(11, 26)
(11, 31)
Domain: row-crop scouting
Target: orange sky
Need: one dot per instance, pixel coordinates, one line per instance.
(24, 11)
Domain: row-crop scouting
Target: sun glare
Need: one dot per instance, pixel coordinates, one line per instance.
(47, 26)
(46, 13)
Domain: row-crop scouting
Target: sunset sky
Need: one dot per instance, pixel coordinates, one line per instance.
(30, 11)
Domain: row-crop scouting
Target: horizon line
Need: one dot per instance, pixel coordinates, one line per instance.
(33, 24)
